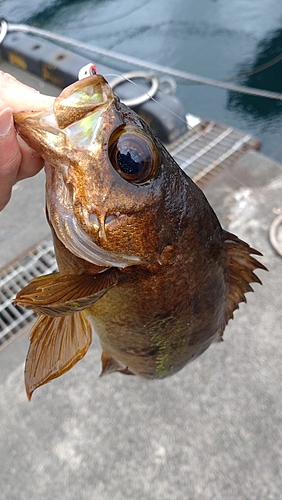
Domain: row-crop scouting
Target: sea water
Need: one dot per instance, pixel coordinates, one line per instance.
(236, 41)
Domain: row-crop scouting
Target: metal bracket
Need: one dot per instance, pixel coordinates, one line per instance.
(3, 29)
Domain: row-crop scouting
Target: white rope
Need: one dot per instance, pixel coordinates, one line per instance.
(183, 75)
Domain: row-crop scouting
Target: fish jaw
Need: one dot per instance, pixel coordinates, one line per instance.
(99, 216)
(70, 224)
(71, 127)
(73, 120)
(65, 224)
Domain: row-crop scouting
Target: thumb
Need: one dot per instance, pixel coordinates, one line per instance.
(20, 97)
(10, 157)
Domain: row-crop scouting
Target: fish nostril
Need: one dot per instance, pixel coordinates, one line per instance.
(114, 217)
(109, 219)
(94, 221)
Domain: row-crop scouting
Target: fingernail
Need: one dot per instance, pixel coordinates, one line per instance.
(6, 122)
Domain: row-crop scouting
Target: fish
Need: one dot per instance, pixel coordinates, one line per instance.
(142, 258)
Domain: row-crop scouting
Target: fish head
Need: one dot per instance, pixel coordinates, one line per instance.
(109, 182)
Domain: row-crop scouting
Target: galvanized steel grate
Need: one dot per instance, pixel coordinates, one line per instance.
(39, 261)
(209, 147)
(201, 153)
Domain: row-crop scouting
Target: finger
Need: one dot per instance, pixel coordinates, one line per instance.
(31, 162)
(17, 160)
(20, 97)
(10, 156)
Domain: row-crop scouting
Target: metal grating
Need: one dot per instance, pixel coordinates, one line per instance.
(208, 148)
(201, 153)
(39, 261)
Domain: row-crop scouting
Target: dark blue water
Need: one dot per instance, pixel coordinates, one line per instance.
(215, 38)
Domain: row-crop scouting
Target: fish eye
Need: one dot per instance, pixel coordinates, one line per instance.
(133, 155)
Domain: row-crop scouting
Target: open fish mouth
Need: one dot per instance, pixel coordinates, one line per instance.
(72, 123)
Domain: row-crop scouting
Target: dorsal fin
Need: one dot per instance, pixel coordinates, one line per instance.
(240, 271)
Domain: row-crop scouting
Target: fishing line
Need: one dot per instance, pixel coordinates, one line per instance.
(201, 136)
(88, 71)
(133, 61)
(149, 96)
(158, 103)
(244, 195)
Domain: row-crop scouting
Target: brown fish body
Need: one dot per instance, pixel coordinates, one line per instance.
(141, 254)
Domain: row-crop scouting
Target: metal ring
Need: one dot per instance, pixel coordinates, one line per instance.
(136, 101)
(3, 29)
(273, 234)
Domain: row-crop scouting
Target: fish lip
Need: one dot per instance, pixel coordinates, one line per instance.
(37, 120)
(73, 237)
(52, 119)
(68, 230)
(50, 127)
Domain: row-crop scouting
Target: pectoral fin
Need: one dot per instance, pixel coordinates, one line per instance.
(58, 295)
(240, 271)
(56, 345)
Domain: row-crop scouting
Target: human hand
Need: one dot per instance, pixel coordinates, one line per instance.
(17, 160)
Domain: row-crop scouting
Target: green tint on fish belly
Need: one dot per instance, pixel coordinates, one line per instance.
(169, 351)
(168, 336)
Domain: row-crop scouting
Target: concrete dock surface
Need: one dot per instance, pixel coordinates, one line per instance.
(213, 431)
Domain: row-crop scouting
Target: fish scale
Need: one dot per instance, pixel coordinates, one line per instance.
(141, 254)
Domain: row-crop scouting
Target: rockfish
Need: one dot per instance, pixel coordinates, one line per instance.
(142, 257)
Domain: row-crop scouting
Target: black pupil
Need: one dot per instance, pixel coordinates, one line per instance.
(130, 161)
